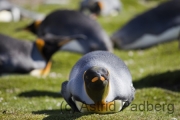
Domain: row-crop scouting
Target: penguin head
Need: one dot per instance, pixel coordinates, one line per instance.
(96, 7)
(33, 27)
(50, 44)
(96, 81)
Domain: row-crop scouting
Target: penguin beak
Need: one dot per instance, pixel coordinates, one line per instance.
(36, 25)
(98, 78)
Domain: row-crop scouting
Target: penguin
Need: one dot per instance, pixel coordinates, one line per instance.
(155, 26)
(56, 2)
(18, 56)
(12, 12)
(101, 7)
(8, 12)
(71, 22)
(99, 82)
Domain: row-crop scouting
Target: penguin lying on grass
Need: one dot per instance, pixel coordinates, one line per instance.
(101, 7)
(70, 22)
(160, 24)
(99, 82)
(18, 56)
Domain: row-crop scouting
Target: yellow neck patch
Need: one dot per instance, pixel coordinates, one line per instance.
(40, 44)
(100, 4)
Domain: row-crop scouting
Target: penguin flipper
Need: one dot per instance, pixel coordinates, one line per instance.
(67, 96)
(131, 98)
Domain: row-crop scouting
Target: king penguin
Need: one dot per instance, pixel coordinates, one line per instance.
(18, 56)
(12, 12)
(99, 82)
(155, 26)
(70, 22)
(8, 12)
(101, 7)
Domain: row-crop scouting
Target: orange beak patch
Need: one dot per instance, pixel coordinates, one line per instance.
(96, 78)
(102, 78)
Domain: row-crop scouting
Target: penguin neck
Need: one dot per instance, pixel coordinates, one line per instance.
(36, 55)
(39, 45)
(98, 96)
(46, 51)
(42, 66)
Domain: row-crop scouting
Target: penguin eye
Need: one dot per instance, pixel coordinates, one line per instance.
(86, 77)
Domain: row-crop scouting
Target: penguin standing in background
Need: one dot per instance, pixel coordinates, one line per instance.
(70, 22)
(18, 56)
(12, 12)
(160, 24)
(101, 7)
(99, 82)
(8, 12)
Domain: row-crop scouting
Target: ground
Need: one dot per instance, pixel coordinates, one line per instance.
(155, 72)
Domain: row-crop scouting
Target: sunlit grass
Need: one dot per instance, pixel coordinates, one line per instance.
(155, 72)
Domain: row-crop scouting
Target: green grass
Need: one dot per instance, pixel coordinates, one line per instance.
(155, 72)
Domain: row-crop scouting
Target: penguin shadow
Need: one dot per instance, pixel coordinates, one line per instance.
(38, 93)
(169, 80)
(58, 114)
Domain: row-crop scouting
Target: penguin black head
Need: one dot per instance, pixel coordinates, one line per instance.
(97, 83)
(33, 27)
(50, 44)
(96, 8)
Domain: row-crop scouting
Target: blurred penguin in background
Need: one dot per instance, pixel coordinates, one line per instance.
(68, 23)
(11, 12)
(18, 56)
(8, 12)
(157, 25)
(101, 7)
(55, 1)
